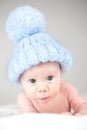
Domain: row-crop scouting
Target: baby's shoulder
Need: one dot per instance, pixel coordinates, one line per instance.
(21, 96)
(65, 84)
(67, 87)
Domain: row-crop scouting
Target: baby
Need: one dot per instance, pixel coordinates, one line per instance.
(38, 62)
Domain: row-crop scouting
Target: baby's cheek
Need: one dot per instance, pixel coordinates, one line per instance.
(55, 91)
(30, 93)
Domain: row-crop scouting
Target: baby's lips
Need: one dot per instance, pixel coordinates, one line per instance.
(43, 99)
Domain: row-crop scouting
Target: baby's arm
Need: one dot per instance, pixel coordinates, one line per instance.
(78, 103)
(25, 104)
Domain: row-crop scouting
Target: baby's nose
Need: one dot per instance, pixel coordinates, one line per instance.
(43, 89)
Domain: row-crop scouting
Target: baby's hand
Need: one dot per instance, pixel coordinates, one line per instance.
(80, 114)
(81, 109)
(66, 113)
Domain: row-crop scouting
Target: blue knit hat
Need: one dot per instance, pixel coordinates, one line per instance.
(25, 27)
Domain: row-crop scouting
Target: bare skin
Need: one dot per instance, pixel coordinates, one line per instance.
(44, 91)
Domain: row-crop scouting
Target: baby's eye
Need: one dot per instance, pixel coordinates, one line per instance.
(32, 81)
(50, 78)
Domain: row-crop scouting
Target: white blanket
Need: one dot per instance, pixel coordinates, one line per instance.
(42, 122)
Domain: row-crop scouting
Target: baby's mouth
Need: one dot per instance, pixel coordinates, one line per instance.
(43, 100)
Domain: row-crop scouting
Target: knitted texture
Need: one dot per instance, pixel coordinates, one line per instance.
(25, 27)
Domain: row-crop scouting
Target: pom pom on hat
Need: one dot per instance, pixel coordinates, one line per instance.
(24, 22)
(25, 27)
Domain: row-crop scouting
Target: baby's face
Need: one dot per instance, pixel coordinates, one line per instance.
(41, 83)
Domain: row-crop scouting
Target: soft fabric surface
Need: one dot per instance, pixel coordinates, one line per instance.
(43, 122)
(12, 120)
(8, 110)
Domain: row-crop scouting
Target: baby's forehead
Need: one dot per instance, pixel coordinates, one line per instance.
(42, 68)
(48, 63)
